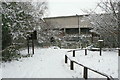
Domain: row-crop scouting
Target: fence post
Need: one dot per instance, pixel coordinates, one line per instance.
(85, 51)
(85, 75)
(65, 59)
(100, 51)
(71, 65)
(73, 53)
(108, 78)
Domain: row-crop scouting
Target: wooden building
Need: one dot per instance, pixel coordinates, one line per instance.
(74, 28)
(70, 24)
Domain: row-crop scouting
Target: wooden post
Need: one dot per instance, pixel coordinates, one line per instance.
(33, 46)
(100, 49)
(28, 44)
(71, 65)
(92, 37)
(108, 78)
(73, 53)
(85, 51)
(85, 75)
(65, 59)
(100, 45)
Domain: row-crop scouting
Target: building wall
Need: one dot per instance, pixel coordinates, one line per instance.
(75, 29)
(68, 21)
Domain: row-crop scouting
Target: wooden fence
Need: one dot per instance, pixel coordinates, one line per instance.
(85, 68)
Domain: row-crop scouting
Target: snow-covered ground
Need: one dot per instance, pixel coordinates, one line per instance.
(49, 63)
(0, 71)
(107, 63)
(46, 63)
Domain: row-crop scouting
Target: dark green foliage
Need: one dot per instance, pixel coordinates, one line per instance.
(6, 36)
(17, 20)
(9, 54)
(9, 17)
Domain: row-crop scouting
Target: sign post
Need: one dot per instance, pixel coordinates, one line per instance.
(32, 45)
(31, 36)
(100, 45)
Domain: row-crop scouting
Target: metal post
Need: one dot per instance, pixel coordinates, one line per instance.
(73, 53)
(79, 31)
(85, 75)
(78, 25)
(71, 65)
(64, 31)
(65, 59)
(85, 51)
(33, 46)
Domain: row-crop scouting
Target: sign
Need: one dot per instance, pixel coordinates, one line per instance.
(32, 35)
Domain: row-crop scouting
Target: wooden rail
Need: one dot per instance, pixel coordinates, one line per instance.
(85, 71)
(86, 50)
(78, 50)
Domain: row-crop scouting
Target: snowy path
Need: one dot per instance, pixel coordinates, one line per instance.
(42, 65)
(49, 63)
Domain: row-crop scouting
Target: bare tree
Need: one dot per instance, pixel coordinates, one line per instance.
(105, 23)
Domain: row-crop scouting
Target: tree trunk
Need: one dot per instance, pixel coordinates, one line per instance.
(119, 28)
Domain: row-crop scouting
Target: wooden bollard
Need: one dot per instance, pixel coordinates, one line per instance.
(85, 51)
(73, 53)
(65, 59)
(71, 65)
(100, 45)
(85, 75)
(108, 78)
(100, 51)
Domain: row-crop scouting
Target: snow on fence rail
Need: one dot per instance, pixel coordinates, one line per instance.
(77, 50)
(88, 49)
(85, 70)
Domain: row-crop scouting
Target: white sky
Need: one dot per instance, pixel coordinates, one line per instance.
(70, 7)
